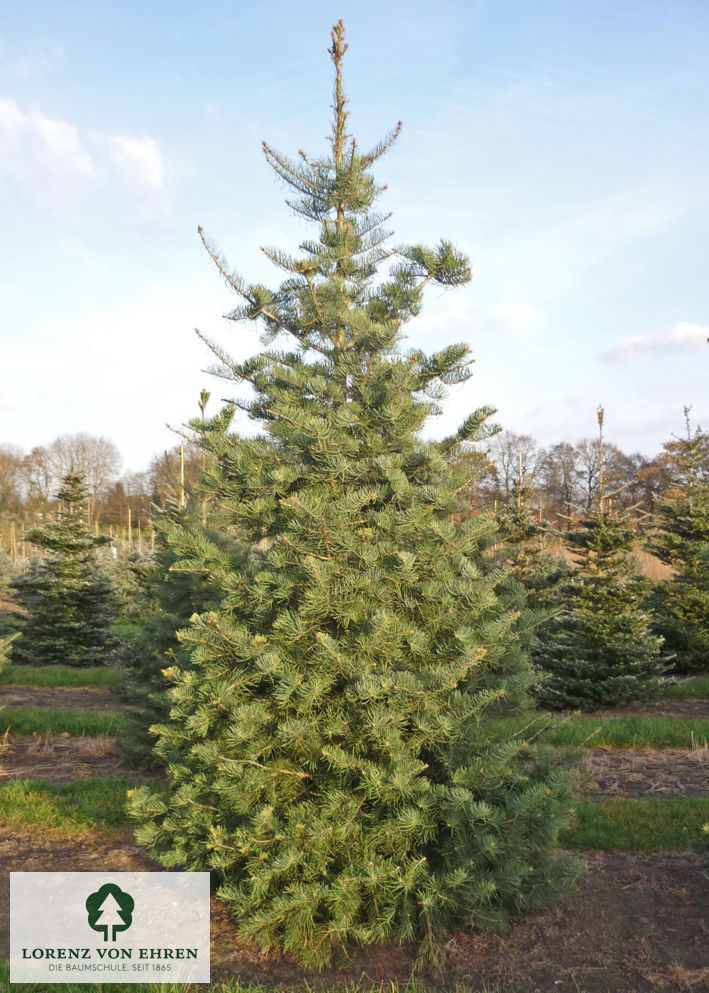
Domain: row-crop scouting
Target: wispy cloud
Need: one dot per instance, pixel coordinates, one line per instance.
(51, 163)
(136, 162)
(682, 336)
(40, 153)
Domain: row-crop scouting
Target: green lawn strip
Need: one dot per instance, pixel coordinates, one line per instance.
(44, 720)
(60, 675)
(631, 732)
(127, 630)
(621, 732)
(607, 824)
(695, 688)
(71, 807)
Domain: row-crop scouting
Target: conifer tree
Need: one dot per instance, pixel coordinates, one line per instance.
(66, 597)
(528, 544)
(334, 748)
(682, 541)
(5, 649)
(189, 550)
(192, 545)
(599, 649)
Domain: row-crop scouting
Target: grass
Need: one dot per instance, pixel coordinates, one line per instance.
(631, 732)
(41, 720)
(70, 808)
(695, 688)
(608, 824)
(60, 675)
(127, 630)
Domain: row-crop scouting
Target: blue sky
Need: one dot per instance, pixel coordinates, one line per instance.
(564, 146)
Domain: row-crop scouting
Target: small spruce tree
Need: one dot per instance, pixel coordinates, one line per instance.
(182, 581)
(5, 649)
(528, 548)
(66, 597)
(334, 748)
(192, 547)
(598, 649)
(681, 604)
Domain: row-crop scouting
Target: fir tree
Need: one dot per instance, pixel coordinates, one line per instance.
(527, 549)
(5, 649)
(192, 545)
(682, 541)
(334, 748)
(189, 549)
(599, 649)
(66, 598)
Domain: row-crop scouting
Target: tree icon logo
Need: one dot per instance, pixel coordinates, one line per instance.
(110, 910)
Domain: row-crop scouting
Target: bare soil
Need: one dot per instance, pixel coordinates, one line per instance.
(63, 698)
(62, 759)
(647, 772)
(636, 924)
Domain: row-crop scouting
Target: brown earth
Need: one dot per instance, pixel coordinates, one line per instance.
(63, 698)
(647, 772)
(62, 759)
(636, 924)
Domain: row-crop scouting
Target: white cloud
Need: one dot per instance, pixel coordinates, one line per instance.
(519, 317)
(680, 337)
(43, 155)
(146, 340)
(52, 164)
(137, 161)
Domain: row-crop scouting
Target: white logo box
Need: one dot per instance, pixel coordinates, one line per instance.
(139, 927)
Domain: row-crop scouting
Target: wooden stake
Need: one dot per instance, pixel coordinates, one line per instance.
(601, 479)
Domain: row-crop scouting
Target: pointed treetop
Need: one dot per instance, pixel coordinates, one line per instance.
(339, 47)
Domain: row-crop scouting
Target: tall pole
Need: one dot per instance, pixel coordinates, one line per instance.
(601, 479)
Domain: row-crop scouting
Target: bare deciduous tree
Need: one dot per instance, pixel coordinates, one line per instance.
(95, 459)
(11, 460)
(514, 454)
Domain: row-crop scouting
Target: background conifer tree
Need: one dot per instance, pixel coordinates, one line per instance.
(5, 649)
(334, 749)
(66, 596)
(599, 649)
(682, 541)
(192, 548)
(528, 548)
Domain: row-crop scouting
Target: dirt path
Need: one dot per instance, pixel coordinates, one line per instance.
(647, 772)
(634, 923)
(63, 698)
(63, 759)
